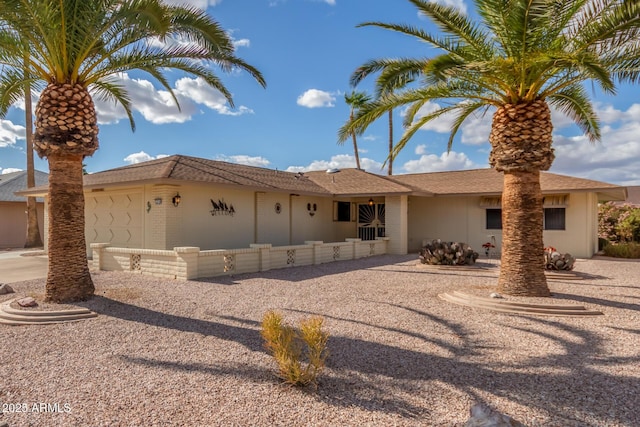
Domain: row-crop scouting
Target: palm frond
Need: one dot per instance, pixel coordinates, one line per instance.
(574, 102)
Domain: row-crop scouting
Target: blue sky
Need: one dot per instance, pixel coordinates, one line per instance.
(307, 50)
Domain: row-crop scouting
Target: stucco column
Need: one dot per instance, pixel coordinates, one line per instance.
(264, 255)
(316, 247)
(397, 224)
(96, 249)
(187, 262)
(166, 219)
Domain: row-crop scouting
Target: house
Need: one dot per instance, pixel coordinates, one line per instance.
(633, 196)
(187, 202)
(13, 215)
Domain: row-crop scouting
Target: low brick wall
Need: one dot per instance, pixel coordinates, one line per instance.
(186, 263)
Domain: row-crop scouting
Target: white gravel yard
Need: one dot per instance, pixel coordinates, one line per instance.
(171, 353)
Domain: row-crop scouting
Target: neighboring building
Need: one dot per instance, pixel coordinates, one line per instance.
(633, 196)
(181, 201)
(13, 208)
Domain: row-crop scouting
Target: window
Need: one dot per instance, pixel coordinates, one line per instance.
(554, 219)
(494, 219)
(342, 211)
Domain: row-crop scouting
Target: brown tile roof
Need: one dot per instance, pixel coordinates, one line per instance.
(355, 182)
(193, 169)
(488, 181)
(345, 182)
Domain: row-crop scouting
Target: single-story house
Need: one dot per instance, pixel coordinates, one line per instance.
(13, 208)
(182, 201)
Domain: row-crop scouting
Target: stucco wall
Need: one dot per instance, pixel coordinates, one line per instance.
(13, 223)
(226, 227)
(463, 219)
(311, 222)
(115, 217)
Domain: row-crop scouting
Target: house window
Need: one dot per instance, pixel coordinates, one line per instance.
(342, 211)
(554, 219)
(494, 219)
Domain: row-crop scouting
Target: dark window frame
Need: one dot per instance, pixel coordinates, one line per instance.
(558, 223)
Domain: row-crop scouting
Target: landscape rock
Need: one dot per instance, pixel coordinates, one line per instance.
(483, 416)
(27, 302)
(6, 289)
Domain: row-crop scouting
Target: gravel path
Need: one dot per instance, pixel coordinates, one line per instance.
(170, 353)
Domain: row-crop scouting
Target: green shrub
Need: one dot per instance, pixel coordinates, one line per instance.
(623, 250)
(285, 343)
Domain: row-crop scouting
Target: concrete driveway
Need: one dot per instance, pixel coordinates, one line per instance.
(19, 265)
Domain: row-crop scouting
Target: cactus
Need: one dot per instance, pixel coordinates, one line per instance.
(438, 252)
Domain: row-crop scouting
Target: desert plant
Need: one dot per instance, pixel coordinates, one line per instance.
(285, 343)
(554, 260)
(438, 252)
(623, 250)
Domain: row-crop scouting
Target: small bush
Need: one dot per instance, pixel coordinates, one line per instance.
(285, 344)
(623, 250)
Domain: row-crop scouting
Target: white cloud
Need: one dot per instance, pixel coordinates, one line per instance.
(142, 157)
(10, 133)
(433, 163)
(241, 43)
(476, 129)
(245, 160)
(200, 92)
(459, 4)
(339, 161)
(158, 107)
(200, 4)
(616, 159)
(369, 138)
(9, 170)
(440, 124)
(314, 98)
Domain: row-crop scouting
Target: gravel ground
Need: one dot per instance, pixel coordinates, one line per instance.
(170, 353)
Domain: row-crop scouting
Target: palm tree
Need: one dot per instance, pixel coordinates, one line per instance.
(520, 58)
(33, 239)
(356, 100)
(78, 46)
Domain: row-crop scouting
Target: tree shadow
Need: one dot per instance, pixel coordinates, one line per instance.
(378, 376)
(247, 337)
(596, 301)
(308, 272)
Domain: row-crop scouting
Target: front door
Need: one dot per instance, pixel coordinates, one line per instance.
(370, 221)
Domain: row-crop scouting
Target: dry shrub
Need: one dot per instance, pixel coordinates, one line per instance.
(287, 345)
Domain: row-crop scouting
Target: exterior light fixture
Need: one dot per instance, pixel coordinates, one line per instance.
(158, 200)
(176, 199)
(370, 202)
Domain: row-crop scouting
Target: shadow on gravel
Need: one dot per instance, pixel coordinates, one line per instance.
(596, 301)
(301, 273)
(567, 383)
(248, 337)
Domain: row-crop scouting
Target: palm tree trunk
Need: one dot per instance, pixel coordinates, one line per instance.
(355, 144)
(390, 171)
(33, 240)
(522, 260)
(68, 278)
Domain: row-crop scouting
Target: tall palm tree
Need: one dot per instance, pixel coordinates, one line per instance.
(77, 48)
(356, 100)
(520, 57)
(33, 238)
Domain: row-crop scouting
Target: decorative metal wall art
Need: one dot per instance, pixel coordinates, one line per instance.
(222, 208)
(312, 209)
